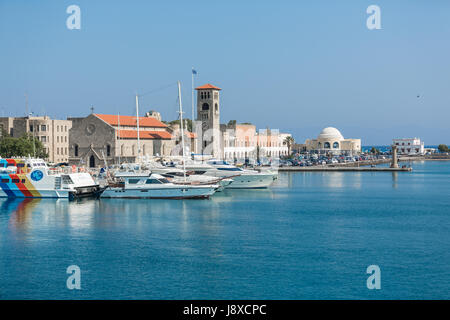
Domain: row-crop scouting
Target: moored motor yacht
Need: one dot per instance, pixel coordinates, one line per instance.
(154, 186)
(242, 178)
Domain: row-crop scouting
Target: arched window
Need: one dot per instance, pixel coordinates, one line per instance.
(326, 145)
(108, 150)
(92, 162)
(75, 147)
(216, 107)
(336, 145)
(205, 106)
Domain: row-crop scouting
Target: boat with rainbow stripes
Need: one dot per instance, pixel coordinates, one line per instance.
(32, 178)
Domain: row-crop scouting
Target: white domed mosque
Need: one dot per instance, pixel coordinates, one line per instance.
(330, 140)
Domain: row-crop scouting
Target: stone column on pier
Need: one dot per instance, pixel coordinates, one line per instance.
(394, 163)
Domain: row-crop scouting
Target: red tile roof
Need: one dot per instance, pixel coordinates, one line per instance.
(191, 135)
(130, 121)
(143, 134)
(208, 86)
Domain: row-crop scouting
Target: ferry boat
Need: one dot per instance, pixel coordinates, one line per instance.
(32, 178)
(154, 186)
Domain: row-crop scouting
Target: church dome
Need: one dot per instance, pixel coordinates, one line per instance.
(330, 133)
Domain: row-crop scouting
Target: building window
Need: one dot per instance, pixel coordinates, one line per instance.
(57, 128)
(75, 147)
(31, 128)
(43, 127)
(57, 139)
(216, 107)
(326, 145)
(108, 150)
(44, 139)
(205, 106)
(336, 145)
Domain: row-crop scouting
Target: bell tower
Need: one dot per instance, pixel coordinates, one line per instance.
(208, 114)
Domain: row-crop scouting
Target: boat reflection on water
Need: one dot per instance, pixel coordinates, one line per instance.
(21, 210)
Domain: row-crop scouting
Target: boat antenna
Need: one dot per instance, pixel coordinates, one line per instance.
(181, 129)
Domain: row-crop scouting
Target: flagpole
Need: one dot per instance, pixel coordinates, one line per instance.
(192, 100)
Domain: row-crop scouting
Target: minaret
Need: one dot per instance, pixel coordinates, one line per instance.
(208, 113)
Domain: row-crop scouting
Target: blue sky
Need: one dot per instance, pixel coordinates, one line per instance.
(296, 66)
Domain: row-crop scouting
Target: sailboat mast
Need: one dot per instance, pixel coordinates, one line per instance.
(181, 129)
(118, 134)
(137, 124)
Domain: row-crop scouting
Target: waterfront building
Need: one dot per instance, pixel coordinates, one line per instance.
(239, 140)
(232, 140)
(242, 141)
(330, 140)
(54, 134)
(190, 140)
(207, 125)
(409, 146)
(100, 138)
(272, 143)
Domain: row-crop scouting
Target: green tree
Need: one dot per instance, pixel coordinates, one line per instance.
(374, 150)
(231, 123)
(289, 141)
(21, 147)
(443, 148)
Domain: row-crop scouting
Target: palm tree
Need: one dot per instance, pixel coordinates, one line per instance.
(289, 141)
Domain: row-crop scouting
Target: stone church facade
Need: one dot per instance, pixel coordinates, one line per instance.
(100, 137)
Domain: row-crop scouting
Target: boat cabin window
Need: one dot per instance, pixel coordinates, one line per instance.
(5, 180)
(15, 180)
(20, 165)
(133, 181)
(11, 165)
(67, 180)
(153, 181)
(164, 180)
(230, 169)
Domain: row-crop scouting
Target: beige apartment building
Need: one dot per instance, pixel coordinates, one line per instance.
(54, 134)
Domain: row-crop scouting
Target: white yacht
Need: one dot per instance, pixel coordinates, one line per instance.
(242, 178)
(177, 175)
(154, 186)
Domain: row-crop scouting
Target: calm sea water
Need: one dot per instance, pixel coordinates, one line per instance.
(311, 236)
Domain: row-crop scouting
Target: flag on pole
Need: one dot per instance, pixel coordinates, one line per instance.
(194, 71)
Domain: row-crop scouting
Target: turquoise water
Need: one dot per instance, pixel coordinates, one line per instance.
(311, 236)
